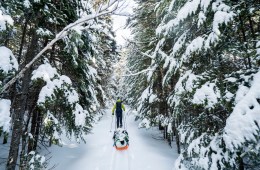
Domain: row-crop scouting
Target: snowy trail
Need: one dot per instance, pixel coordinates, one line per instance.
(144, 152)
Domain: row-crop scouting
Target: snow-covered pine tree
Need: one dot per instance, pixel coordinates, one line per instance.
(38, 36)
(208, 53)
(9, 63)
(110, 55)
(142, 88)
(8, 67)
(59, 91)
(151, 99)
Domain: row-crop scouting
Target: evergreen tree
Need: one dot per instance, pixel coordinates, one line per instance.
(63, 90)
(143, 25)
(206, 54)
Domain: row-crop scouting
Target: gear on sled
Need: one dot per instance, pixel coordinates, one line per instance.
(121, 139)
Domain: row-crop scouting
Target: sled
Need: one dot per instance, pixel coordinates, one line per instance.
(122, 148)
(121, 139)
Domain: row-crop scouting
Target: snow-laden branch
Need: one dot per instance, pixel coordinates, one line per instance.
(135, 44)
(109, 8)
(140, 72)
(142, 53)
(152, 40)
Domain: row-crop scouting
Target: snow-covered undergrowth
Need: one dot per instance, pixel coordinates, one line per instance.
(5, 115)
(230, 140)
(214, 106)
(59, 86)
(8, 67)
(5, 20)
(206, 79)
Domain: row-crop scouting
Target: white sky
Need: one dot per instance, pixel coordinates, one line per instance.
(120, 21)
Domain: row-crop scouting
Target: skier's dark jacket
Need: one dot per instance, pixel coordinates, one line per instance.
(114, 108)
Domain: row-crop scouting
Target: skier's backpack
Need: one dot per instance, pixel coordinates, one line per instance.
(118, 106)
(121, 139)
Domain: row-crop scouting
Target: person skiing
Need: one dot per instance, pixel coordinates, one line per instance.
(119, 107)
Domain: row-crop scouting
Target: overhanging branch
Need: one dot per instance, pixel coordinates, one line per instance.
(103, 10)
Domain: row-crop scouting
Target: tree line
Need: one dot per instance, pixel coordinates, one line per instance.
(197, 66)
(61, 91)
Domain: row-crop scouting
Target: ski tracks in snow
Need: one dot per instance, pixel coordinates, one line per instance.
(99, 154)
(113, 159)
(120, 160)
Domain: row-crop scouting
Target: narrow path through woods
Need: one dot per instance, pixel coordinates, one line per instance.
(144, 153)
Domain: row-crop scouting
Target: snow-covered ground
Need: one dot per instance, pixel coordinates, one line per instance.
(144, 152)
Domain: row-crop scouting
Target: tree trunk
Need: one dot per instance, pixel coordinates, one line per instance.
(160, 125)
(5, 137)
(23, 39)
(34, 114)
(38, 128)
(160, 93)
(34, 130)
(245, 41)
(165, 132)
(240, 162)
(17, 129)
(178, 142)
(24, 142)
(20, 109)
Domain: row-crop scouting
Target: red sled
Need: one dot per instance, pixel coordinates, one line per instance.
(121, 148)
(121, 139)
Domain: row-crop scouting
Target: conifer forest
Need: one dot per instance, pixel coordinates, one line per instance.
(191, 69)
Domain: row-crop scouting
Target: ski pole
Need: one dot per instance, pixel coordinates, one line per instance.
(124, 118)
(111, 123)
(115, 123)
(126, 122)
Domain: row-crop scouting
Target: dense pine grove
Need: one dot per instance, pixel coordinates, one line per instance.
(201, 63)
(192, 70)
(62, 91)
